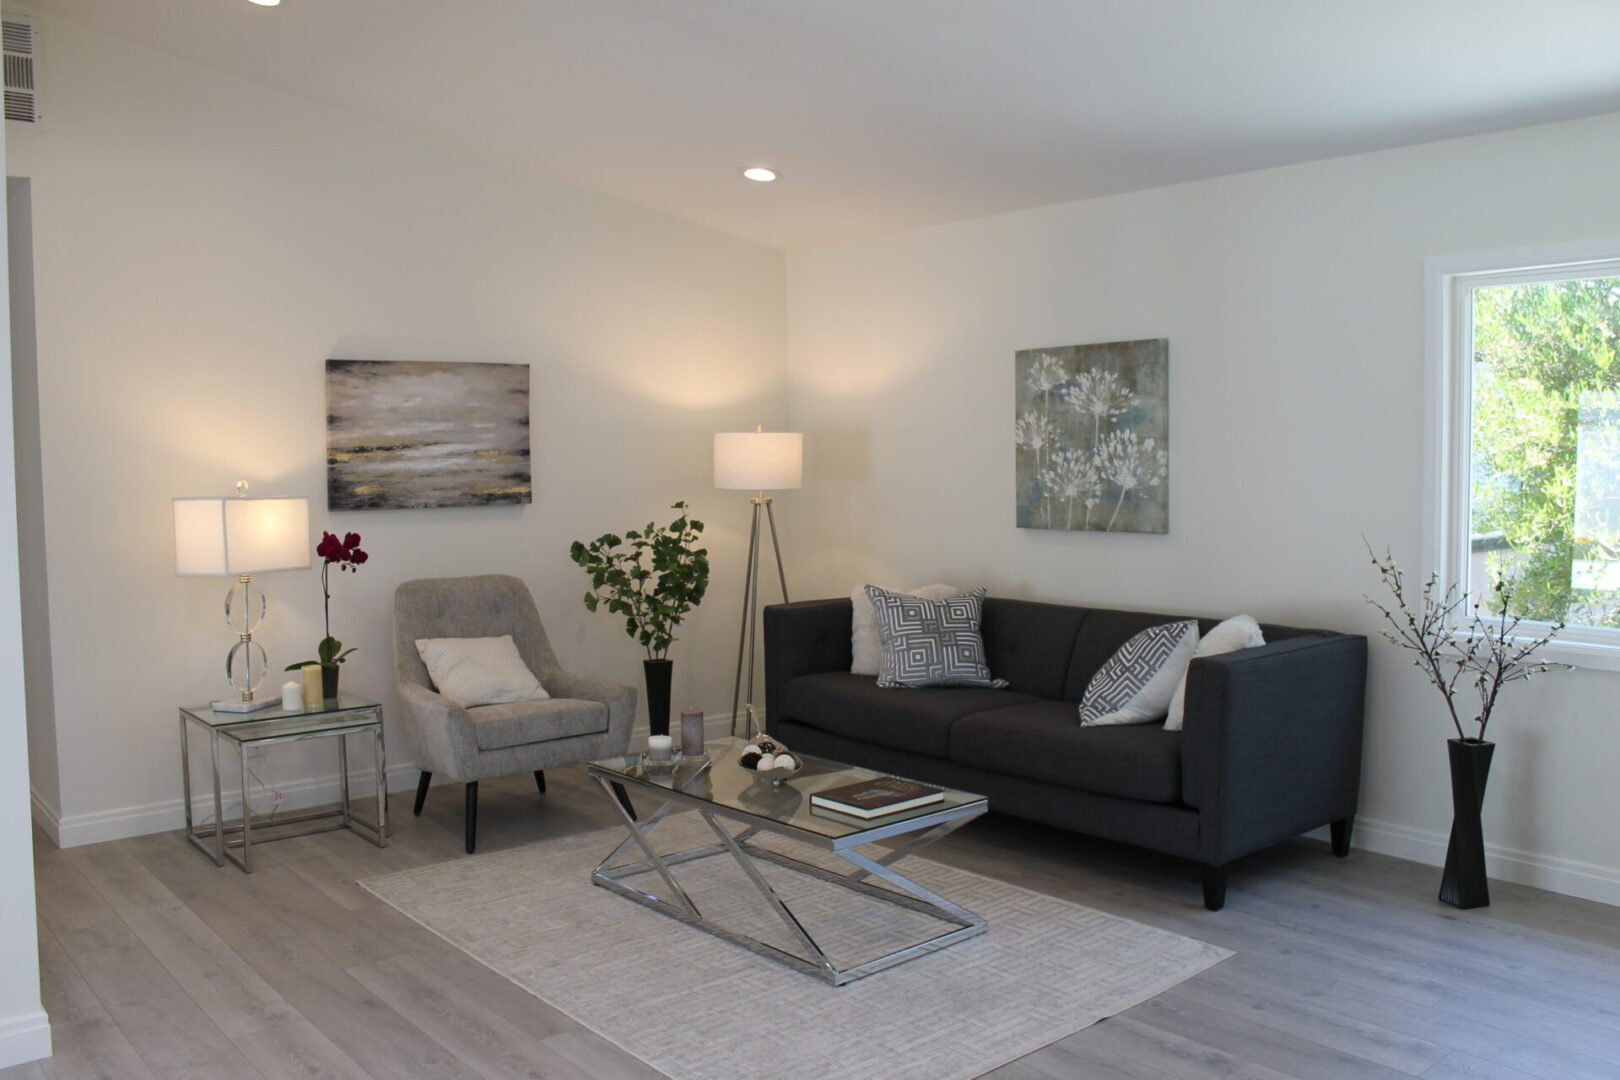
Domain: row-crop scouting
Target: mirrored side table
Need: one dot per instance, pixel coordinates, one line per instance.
(234, 733)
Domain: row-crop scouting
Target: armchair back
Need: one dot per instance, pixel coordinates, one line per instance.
(482, 605)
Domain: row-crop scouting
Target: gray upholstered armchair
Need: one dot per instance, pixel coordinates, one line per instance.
(584, 719)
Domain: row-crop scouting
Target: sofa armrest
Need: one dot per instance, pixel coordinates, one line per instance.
(441, 729)
(804, 638)
(619, 699)
(1271, 743)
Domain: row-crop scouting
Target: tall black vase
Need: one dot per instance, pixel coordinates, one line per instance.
(1463, 883)
(658, 674)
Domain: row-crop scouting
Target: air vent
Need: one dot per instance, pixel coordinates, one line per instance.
(21, 41)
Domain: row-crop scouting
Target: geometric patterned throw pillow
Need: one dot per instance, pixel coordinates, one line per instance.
(1136, 684)
(931, 642)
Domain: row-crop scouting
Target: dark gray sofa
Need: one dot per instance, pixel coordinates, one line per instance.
(1271, 745)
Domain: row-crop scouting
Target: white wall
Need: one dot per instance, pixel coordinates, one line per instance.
(1293, 301)
(25, 1033)
(31, 546)
(202, 245)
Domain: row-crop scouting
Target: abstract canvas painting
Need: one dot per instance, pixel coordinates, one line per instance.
(407, 434)
(1093, 432)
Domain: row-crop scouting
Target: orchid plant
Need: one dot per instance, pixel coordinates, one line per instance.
(345, 554)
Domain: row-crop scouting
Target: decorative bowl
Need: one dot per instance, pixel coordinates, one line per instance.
(761, 746)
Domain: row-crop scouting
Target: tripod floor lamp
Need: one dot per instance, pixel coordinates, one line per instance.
(757, 461)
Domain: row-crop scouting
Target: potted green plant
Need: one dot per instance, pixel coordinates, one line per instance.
(1456, 642)
(345, 554)
(652, 577)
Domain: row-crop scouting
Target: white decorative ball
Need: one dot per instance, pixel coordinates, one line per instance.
(751, 748)
(766, 763)
(786, 761)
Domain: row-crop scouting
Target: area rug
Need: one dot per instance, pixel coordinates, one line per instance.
(695, 1007)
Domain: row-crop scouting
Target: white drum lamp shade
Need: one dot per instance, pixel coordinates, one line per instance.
(758, 460)
(230, 537)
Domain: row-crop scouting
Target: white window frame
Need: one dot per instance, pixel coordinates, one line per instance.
(1448, 284)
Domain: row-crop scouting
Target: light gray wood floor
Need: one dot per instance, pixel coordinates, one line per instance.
(157, 964)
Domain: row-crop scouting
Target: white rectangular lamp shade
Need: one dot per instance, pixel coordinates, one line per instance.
(758, 460)
(229, 537)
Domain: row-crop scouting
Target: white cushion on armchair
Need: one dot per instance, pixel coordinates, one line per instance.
(479, 671)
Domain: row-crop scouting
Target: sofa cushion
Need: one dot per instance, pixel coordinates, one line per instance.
(1136, 684)
(1041, 741)
(1030, 644)
(931, 642)
(516, 723)
(865, 646)
(1100, 636)
(917, 719)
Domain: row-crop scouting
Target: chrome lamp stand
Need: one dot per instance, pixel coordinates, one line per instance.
(750, 612)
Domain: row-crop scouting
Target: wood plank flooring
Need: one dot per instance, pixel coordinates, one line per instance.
(157, 964)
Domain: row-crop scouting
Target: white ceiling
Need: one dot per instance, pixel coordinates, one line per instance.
(890, 114)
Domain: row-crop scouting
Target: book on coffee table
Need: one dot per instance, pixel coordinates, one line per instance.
(875, 798)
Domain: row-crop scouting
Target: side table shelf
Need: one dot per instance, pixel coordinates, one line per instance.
(348, 715)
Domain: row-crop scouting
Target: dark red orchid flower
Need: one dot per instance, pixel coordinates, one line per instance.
(345, 552)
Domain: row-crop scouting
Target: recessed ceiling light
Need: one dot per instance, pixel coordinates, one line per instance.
(266, 3)
(760, 174)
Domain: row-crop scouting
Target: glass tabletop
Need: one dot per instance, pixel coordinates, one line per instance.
(329, 710)
(719, 779)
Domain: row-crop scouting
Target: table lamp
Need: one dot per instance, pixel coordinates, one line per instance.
(758, 461)
(240, 537)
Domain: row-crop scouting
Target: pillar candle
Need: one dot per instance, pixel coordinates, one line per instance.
(659, 747)
(692, 732)
(292, 696)
(311, 674)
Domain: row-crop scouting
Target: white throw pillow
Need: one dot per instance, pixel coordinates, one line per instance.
(479, 670)
(1238, 632)
(1136, 684)
(864, 642)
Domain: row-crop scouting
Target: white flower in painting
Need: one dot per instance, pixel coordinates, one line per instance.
(1072, 475)
(1131, 465)
(1046, 372)
(1099, 395)
(1035, 432)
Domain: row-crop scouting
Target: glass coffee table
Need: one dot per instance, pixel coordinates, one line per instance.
(740, 809)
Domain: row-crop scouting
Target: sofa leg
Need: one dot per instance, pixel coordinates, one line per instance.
(624, 800)
(1214, 887)
(421, 793)
(540, 780)
(472, 816)
(1341, 835)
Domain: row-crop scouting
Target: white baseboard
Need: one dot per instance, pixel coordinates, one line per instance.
(75, 830)
(24, 1038)
(1567, 876)
(45, 816)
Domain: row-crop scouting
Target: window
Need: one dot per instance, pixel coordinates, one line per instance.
(1525, 402)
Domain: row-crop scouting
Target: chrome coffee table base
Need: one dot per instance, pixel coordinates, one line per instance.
(905, 893)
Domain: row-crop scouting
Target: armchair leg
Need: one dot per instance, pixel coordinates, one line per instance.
(624, 800)
(540, 780)
(1341, 835)
(472, 816)
(421, 792)
(1214, 887)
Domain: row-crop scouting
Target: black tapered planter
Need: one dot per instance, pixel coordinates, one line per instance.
(1463, 883)
(329, 681)
(658, 674)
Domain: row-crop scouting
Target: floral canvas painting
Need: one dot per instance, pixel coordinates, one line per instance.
(1093, 433)
(407, 434)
